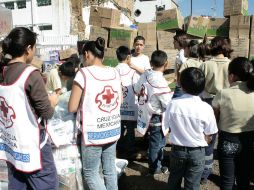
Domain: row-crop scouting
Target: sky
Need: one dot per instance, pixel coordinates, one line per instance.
(203, 7)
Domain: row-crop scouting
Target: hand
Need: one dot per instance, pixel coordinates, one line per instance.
(53, 98)
(131, 65)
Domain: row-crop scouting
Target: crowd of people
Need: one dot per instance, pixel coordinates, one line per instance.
(213, 100)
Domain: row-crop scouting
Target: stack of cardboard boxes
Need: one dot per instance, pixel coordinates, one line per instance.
(105, 22)
(240, 24)
(148, 31)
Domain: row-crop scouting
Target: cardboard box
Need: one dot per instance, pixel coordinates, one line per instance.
(104, 17)
(121, 37)
(235, 7)
(240, 26)
(218, 27)
(251, 53)
(196, 26)
(234, 24)
(65, 54)
(5, 21)
(240, 47)
(244, 26)
(169, 19)
(252, 27)
(171, 53)
(110, 58)
(148, 31)
(96, 32)
(165, 40)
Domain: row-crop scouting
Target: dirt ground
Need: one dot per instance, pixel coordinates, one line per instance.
(135, 176)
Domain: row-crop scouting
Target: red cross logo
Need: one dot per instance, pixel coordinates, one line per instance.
(107, 99)
(142, 98)
(4, 109)
(7, 114)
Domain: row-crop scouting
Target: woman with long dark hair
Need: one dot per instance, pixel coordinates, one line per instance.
(96, 96)
(23, 99)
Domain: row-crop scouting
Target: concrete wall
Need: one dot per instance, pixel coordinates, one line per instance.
(148, 9)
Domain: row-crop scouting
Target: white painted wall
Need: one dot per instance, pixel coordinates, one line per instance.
(148, 9)
(57, 15)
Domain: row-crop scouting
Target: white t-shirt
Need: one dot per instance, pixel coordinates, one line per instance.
(141, 61)
(105, 73)
(190, 119)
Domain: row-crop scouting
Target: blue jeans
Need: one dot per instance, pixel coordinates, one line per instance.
(126, 143)
(236, 155)
(92, 158)
(44, 179)
(209, 158)
(157, 142)
(187, 163)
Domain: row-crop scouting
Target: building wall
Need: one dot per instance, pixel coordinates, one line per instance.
(148, 9)
(57, 15)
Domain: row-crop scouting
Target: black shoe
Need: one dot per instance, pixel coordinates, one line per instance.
(203, 181)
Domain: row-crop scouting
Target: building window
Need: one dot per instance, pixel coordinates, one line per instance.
(21, 4)
(43, 3)
(9, 5)
(45, 27)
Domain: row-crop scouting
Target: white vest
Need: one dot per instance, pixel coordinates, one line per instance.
(101, 120)
(146, 111)
(19, 129)
(129, 107)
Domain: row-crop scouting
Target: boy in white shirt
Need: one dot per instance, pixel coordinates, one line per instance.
(154, 95)
(139, 62)
(192, 124)
(129, 107)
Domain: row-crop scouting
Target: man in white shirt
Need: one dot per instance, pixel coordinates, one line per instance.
(192, 124)
(139, 61)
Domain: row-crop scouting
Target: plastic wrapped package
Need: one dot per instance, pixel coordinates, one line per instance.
(61, 127)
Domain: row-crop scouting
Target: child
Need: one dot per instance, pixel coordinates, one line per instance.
(129, 107)
(180, 43)
(192, 52)
(192, 123)
(57, 78)
(216, 74)
(154, 96)
(139, 61)
(234, 108)
(24, 143)
(97, 90)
